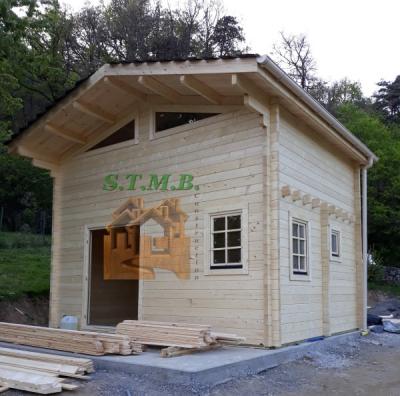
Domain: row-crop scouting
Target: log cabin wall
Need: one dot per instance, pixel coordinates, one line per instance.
(323, 180)
(224, 154)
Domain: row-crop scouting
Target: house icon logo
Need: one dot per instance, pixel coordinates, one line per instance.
(130, 253)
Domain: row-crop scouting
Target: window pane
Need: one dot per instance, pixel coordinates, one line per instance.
(334, 243)
(168, 120)
(219, 240)
(219, 223)
(123, 134)
(233, 222)
(219, 257)
(302, 263)
(302, 247)
(302, 230)
(295, 262)
(234, 238)
(234, 255)
(295, 229)
(295, 246)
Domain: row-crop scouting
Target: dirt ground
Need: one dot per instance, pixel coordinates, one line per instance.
(369, 365)
(26, 310)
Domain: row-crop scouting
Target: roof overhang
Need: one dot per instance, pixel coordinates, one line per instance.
(113, 95)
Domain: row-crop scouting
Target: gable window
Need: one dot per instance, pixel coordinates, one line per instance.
(123, 134)
(335, 244)
(299, 247)
(226, 241)
(167, 120)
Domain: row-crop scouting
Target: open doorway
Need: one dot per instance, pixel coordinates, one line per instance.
(110, 301)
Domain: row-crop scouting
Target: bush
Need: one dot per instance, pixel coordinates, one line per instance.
(17, 240)
(376, 273)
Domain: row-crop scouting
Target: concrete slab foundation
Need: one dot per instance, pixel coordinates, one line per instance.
(204, 368)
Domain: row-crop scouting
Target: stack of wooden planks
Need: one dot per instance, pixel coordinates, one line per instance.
(40, 372)
(180, 338)
(166, 334)
(85, 342)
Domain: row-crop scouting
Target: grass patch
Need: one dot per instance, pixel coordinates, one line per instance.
(24, 265)
(392, 290)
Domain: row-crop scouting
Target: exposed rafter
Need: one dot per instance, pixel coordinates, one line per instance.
(160, 89)
(64, 134)
(200, 88)
(102, 132)
(93, 111)
(38, 159)
(126, 88)
(253, 97)
(248, 87)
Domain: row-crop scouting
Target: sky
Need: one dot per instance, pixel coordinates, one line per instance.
(357, 39)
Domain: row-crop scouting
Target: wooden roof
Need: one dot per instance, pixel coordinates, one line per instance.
(110, 98)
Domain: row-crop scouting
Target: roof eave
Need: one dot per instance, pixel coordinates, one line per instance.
(267, 63)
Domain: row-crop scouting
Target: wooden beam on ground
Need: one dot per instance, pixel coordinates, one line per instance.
(64, 134)
(89, 343)
(93, 111)
(160, 89)
(200, 88)
(126, 88)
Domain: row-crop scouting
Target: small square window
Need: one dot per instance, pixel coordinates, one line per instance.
(226, 241)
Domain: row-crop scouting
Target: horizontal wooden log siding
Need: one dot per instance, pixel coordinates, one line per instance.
(311, 166)
(224, 154)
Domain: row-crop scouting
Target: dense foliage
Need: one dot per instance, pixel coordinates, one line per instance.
(45, 50)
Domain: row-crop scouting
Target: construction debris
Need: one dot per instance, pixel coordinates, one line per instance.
(83, 365)
(391, 325)
(39, 372)
(85, 342)
(176, 336)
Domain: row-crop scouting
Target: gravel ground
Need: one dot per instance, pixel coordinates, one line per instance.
(367, 366)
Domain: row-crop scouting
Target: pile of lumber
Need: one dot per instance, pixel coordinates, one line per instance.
(180, 338)
(166, 334)
(40, 372)
(85, 342)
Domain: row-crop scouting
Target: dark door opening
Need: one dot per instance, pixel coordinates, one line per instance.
(110, 301)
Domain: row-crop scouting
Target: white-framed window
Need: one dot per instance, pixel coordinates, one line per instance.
(299, 257)
(226, 242)
(335, 244)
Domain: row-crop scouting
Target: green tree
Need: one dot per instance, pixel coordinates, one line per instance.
(387, 99)
(383, 179)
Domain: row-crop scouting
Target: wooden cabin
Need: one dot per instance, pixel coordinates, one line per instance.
(258, 192)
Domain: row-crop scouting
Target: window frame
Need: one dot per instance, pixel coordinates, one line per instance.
(335, 257)
(208, 241)
(113, 128)
(297, 275)
(221, 110)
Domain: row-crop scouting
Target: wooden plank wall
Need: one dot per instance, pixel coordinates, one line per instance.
(224, 154)
(311, 166)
